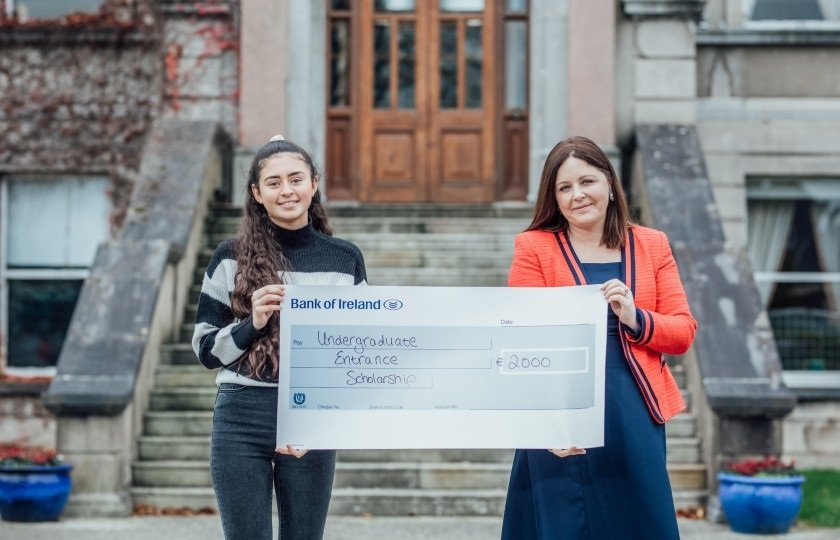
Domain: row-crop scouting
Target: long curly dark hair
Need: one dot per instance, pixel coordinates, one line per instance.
(260, 260)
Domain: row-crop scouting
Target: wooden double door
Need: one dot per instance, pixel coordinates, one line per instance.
(413, 116)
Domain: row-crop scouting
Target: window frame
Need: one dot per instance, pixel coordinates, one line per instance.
(34, 274)
(781, 24)
(762, 187)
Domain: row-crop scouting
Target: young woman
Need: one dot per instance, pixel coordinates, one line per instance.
(284, 238)
(581, 234)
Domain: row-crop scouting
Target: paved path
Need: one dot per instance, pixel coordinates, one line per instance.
(338, 528)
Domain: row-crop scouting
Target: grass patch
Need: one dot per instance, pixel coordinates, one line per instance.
(821, 500)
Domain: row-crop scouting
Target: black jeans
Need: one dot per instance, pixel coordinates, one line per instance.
(244, 468)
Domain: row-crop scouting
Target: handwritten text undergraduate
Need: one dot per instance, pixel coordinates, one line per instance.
(361, 343)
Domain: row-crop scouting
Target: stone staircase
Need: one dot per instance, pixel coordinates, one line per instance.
(432, 245)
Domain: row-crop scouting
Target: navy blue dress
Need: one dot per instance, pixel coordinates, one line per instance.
(620, 490)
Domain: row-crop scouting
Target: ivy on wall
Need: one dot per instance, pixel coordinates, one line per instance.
(79, 93)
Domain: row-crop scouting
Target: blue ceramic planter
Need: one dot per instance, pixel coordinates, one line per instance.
(34, 493)
(760, 504)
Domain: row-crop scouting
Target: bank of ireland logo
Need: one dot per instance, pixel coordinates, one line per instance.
(299, 398)
(392, 303)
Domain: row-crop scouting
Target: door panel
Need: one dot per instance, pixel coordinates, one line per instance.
(340, 156)
(341, 138)
(460, 157)
(394, 159)
(425, 100)
(392, 111)
(426, 105)
(461, 120)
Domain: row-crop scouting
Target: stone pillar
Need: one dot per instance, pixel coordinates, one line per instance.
(305, 59)
(101, 450)
(263, 71)
(663, 72)
(548, 100)
(262, 80)
(200, 46)
(592, 32)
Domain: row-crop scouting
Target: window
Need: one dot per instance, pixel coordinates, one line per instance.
(787, 11)
(793, 236)
(516, 55)
(515, 100)
(49, 9)
(50, 228)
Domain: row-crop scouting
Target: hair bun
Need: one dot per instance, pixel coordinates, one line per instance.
(277, 138)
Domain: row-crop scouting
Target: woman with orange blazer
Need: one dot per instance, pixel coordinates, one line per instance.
(581, 234)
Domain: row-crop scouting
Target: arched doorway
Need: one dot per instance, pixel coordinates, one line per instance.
(427, 100)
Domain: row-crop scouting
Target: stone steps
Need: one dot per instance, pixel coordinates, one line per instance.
(394, 475)
(153, 448)
(682, 450)
(684, 425)
(197, 422)
(179, 354)
(403, 245)
(419, 277)
(177, 423)
(439, 277)
(427, 243)
(414, 502)
(349, 210)
(428, 455)
(401, 225)
(189, 376)
(196, 498)
(199, 394)
(353, 501)
(358, 487)
(183, 399)
(404, 257)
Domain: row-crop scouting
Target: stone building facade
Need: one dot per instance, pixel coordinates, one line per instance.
(81, 91)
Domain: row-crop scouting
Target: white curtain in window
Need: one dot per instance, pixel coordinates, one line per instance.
(827, 232)
(56, 222)
(768, 223)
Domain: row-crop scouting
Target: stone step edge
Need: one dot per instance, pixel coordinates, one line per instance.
(351, 210)
(196, 438)
(206, 497)
(349, 465)
(392, 465)
(395, 492)
(175, 415)
(684, 416)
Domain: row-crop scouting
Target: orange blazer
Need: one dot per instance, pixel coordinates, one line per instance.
(546, 259)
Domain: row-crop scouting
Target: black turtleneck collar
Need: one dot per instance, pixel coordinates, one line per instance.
(296, 237)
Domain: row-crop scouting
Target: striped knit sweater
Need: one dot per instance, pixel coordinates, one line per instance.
(220, 339)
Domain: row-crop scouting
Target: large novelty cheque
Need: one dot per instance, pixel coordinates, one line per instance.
(441, 367)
